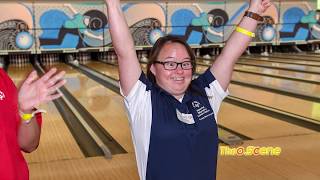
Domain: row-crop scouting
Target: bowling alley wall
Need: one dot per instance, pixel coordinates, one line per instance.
(37, 26)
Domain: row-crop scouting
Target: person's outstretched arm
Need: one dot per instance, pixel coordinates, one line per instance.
(72, 9)
(129, 67)
(198, 7)
(33, 92)
(223, 66)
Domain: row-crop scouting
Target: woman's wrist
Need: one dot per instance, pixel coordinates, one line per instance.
(27, 116)
(26, 111)
(112, 3)
(254, 10)
(253, 15)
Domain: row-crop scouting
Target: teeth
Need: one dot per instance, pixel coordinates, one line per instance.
(178, 78)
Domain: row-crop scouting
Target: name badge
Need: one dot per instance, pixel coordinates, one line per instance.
(186, 118)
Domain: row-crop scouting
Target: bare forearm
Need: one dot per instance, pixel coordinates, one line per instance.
(129, 67)
(29, 135)
(235, 46)
(120, 34)
(238, 42)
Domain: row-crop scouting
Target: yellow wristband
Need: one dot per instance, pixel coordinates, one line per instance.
(27, 117)
(245, 32)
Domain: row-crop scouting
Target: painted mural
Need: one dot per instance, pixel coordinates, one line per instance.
(71, 25)
(50, 26)
(16, 27)
(300, 21)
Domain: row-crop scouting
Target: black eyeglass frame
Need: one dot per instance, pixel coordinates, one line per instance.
(176, 64)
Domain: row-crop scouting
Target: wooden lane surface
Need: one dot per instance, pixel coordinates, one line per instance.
(281, 65)
(256, 125)
(264, 70)
(56, 142)
(301, 75)
(241, 120)
(294, 56)
(301, 107)
(290, 85)
(290, 104)
(253, 62)
(120, 167)
(284, 60)
(105, 106)
(299, 159)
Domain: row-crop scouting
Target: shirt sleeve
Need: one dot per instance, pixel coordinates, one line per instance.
(139, 108)
(39, 119)
(213, 90)
(138, 98)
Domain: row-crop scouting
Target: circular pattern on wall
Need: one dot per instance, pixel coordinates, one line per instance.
(219, 17)
(154, 35)
(24, 40)
(9, 30)
(141, 31)
(97, 19)
(268, 33)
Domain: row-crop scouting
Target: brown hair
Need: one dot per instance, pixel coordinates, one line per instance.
(157, 47)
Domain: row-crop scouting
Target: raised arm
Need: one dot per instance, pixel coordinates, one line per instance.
(211, 31)
(198, 7)
(223, 66)
(33, 92)
(91, 35)
(129, 67)
(72, 9)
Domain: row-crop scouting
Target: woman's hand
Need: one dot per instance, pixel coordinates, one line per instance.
(259, 6)
(35, 91)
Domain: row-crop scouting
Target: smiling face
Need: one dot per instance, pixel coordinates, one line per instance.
(175, 81)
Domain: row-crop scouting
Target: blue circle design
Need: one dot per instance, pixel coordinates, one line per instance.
(154, 35)
(24, 40)
(180, 19)
(293, 15)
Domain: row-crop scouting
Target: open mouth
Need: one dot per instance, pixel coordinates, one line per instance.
(178, 79)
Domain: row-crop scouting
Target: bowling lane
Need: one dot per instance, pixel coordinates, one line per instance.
(302, 107)
(246, 122)
(278, 72)
(270, 71)
(104, 105)
(56, 142)
(290, 85)
(256, 125)
(284, 60)
(281, 65)
(299, 56)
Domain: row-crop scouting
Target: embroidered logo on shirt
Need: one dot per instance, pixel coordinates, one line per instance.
(202, 112)
(2, 96)
(196, 104)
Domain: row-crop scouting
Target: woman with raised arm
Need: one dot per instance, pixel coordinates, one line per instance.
(19, 120)
(173, 118)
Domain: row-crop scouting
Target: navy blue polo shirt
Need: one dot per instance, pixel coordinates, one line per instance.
(175, 139)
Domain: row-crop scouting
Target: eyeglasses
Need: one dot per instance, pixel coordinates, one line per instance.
(171, 65)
